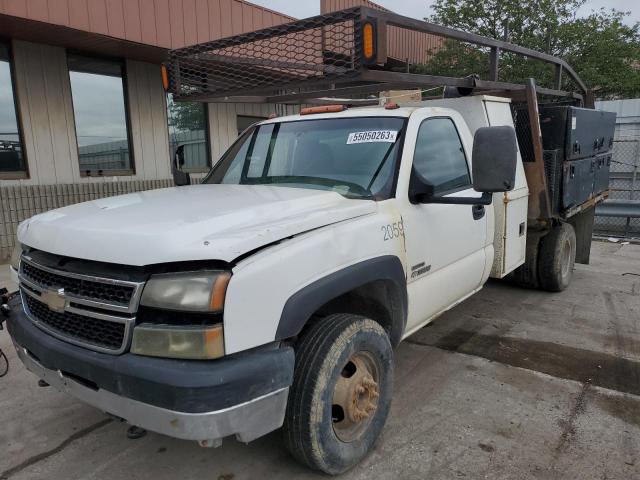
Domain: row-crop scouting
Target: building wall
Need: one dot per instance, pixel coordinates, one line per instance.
(162, 23)
(402, 44)
(17, 203)
(45, 106)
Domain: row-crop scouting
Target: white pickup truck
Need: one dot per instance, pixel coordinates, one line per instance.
(273, 293)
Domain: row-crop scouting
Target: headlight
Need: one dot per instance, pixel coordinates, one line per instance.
(15, 256)
(194, 343)
(188, 291)
(186, 294)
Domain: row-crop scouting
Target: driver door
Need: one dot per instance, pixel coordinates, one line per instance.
(445, 243)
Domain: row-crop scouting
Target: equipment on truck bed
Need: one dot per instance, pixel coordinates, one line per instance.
(577, 145)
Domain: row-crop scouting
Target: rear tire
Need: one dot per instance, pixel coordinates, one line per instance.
(557, 258)
(341, 392)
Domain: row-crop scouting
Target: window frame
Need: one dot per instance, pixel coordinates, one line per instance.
(127, 172)
(17, 174)
(464, 153)
(257, 120)
(207, 137)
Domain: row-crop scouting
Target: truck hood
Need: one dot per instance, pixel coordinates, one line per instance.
(199, 222)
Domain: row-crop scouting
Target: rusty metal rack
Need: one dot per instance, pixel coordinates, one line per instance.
(340, 54)
(335, 57)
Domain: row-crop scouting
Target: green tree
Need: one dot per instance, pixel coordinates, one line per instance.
(601, 47)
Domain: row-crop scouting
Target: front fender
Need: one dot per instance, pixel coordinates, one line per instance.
(309, 299)
(325, 261)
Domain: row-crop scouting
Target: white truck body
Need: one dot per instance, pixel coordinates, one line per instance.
(224, 222)
(291, 256)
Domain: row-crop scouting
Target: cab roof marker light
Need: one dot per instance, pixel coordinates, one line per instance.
(323, 109)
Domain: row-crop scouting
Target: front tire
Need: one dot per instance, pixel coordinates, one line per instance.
(341, 392)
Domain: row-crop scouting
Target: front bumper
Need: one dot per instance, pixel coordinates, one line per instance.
(243, 395)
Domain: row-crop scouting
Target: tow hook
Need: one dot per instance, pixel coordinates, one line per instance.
(5, 309)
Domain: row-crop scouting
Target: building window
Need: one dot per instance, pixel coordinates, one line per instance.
(439, 157)
(189, 132)
(102, 125)
(245, 122)
(12, 160)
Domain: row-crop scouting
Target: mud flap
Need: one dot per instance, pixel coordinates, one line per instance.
(583, 225)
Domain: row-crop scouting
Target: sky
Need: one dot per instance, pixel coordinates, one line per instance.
(421, 8)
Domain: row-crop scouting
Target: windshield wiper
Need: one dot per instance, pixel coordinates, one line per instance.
(384, 160)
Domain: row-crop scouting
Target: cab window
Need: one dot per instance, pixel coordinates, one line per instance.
(439, 156)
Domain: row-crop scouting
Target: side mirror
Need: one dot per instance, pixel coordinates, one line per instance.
(494, 158)
(180, 178)
(420, 190)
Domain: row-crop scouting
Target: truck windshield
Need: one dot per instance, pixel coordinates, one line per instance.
(355, 157)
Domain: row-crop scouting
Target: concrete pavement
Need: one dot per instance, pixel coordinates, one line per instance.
(511, 384)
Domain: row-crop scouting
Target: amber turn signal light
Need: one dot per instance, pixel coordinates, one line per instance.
(165, 77)
(368, 41)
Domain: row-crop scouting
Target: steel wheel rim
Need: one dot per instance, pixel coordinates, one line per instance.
(355, 397)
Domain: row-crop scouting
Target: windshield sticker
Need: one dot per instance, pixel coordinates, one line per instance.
(372, 136)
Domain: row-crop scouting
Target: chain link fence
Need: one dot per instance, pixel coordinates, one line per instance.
(624, 184)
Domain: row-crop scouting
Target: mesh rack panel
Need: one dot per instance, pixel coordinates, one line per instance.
(522, 124)
(323, 48)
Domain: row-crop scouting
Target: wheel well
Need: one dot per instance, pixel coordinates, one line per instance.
(378, 300)
(376, 287)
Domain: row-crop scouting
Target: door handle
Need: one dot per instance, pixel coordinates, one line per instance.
(478, 211)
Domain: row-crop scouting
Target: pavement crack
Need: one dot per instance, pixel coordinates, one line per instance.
(44, 455)
(568, 426)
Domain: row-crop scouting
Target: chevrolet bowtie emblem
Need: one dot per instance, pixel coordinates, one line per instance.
(54, 299)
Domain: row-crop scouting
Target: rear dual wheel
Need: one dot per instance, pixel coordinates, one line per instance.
(341, 392)
(557, 258)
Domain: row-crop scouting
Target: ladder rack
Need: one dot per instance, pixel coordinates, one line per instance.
(340, 54)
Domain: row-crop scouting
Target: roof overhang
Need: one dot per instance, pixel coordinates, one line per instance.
(61, 36)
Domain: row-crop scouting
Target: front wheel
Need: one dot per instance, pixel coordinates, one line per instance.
(341, 392)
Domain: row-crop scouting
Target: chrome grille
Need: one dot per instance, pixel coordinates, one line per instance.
(119, 294)
(81, 328)
(93, 312)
